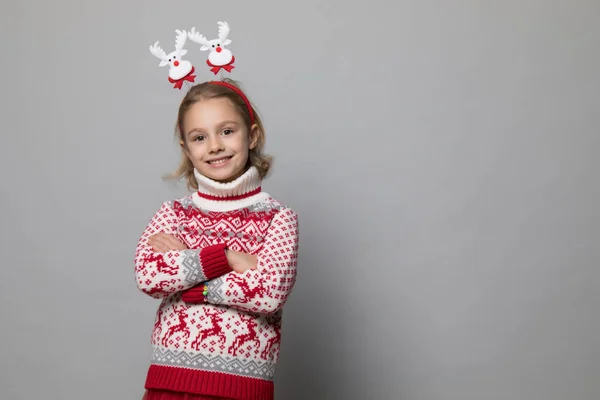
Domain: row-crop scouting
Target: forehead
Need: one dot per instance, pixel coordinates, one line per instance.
(207, 112)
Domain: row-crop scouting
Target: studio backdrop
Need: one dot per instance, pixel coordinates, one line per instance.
(442, 157)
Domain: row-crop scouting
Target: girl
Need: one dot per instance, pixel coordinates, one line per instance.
(223, 259)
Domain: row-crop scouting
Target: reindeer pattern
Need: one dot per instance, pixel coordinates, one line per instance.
(215, 329)
(180, 328)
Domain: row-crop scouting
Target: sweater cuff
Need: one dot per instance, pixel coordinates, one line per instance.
(214, 261)
(194, 295)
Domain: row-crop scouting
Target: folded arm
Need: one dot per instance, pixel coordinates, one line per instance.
(162, 274)
(266, 288)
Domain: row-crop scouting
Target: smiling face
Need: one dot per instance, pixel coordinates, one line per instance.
(216, 139)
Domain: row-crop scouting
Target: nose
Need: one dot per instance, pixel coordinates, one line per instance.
(218, 49)
(176, 63)
(215, 145)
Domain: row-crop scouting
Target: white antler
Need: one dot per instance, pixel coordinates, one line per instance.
(197, 37)
(180, 40)
(223, 31)
(159, 53)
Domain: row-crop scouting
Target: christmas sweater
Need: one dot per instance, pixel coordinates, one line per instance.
(218, 332)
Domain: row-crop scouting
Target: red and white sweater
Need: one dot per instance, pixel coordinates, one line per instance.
(227, 342)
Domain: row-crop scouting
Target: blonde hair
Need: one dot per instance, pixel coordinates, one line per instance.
(207, 90)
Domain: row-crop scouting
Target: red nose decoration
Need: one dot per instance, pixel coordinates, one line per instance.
(218, 49)
(176, 63)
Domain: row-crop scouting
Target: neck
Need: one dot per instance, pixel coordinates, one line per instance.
(243, 187)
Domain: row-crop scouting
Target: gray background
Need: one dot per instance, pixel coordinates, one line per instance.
(442, 155)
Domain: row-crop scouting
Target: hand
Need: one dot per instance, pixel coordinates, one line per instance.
(240, 262)
(163, 242)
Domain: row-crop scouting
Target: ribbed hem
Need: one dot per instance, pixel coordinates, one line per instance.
(155, 394)
(208, 383)
(214, 261)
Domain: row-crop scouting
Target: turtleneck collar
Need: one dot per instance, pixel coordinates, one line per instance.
(243, 187)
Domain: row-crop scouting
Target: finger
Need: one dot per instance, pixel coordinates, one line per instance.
(161, 244)
(174, 243)
(159, 236)
(154, 239)
(162, 237)
(152, 243)
(167, 242)
(159, 248)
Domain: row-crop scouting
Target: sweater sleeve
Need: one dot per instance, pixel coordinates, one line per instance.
(265, 289)
(162, 274)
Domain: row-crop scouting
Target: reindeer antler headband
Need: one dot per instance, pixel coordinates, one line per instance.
(179, 70)
(219, 59)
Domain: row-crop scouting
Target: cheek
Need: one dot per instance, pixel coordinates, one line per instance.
(243, 143)
(193, 151)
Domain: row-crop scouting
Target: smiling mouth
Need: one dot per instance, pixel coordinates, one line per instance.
(219, 161)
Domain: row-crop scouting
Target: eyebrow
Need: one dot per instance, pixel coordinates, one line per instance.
(228, 122)
(194, 131)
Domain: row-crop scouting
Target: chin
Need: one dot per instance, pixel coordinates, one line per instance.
(218, 176)
(223, 176)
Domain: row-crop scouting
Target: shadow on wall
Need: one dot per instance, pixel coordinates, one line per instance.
(345, 336)
(318, 358)
(307, 354)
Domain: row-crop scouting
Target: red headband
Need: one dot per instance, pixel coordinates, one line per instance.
(242, 95)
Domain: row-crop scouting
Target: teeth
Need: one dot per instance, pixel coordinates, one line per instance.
(218, 161)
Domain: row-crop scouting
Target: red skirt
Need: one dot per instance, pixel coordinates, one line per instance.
(153, 394)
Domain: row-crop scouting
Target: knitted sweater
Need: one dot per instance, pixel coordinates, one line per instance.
(225, 343)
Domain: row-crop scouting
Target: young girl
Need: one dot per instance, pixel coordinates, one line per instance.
(223, 259)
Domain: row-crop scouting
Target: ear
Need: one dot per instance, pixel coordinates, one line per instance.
(204, 48)
(163, 63)
(254, 135)
(183, 52)
(184, 148)
(228, 41)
